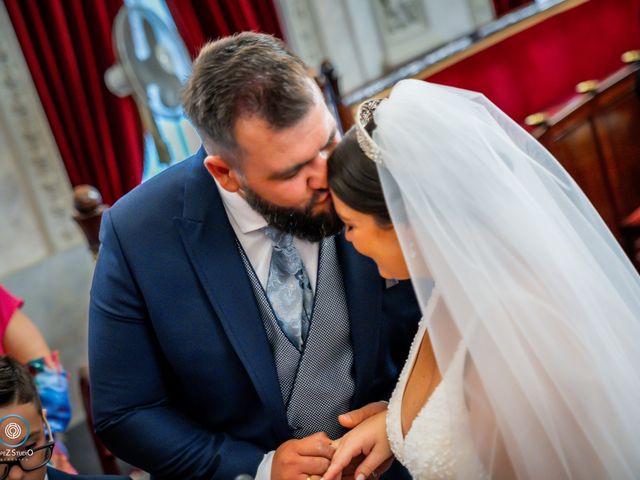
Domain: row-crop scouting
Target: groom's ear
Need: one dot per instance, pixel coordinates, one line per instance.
(225, 175)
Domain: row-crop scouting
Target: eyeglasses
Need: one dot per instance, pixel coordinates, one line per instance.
(32, 458)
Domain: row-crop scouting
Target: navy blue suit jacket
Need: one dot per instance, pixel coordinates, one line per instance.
(183, 380)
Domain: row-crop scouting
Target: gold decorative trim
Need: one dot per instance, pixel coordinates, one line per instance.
(588, 86)
(632, 56)
(536, 119)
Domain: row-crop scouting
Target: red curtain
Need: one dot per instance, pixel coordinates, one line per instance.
(503, 6)
(201, 20)
(67, 46)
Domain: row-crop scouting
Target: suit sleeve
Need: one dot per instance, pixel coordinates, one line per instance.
(402, 316)
(133, 416)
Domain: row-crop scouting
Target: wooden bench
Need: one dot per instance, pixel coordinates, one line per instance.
(595, 135)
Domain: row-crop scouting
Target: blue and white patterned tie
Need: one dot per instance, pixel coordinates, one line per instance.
(288, 288)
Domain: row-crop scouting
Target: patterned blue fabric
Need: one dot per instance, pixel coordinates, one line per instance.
(288, 288)
(324, 370)
(53, 386)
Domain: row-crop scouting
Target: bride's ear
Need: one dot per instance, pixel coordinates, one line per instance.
(226, 176)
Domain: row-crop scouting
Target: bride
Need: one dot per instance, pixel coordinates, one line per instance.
(526, 361)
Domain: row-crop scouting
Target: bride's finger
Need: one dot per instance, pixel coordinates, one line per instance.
(367, 469)
(333, 476)
(341, 459)
(334, 472)
(356, 417)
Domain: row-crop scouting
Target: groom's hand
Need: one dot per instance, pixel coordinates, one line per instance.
(355, 417)
(297, 459)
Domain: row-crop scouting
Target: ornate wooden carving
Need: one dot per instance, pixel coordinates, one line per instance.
(330, 85)
(88, 206)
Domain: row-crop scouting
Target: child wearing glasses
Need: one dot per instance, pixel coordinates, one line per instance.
(26, 440)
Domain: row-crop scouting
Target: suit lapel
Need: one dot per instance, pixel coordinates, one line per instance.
(211, 246)
(363, 288)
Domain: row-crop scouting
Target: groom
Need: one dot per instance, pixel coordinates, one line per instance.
(230, 321)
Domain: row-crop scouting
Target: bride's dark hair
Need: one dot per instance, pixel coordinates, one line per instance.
(354, 178)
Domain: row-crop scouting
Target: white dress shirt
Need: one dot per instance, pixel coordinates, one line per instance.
(247, 225)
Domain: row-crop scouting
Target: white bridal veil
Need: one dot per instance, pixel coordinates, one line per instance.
(532, 284)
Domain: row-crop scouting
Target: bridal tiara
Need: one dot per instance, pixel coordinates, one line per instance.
(363, 117)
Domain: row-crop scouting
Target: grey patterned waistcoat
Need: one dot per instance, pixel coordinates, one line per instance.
(317, 384)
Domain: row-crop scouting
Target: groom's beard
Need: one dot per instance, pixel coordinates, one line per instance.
(302, 223)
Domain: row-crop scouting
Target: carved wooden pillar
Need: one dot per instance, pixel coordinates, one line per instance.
(89, 208)
(332, 93)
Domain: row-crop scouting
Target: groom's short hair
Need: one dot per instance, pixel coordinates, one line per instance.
(247, 74)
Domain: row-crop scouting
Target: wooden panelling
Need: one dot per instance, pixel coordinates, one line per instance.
(577, 150)
(617, 122)
(596, 137)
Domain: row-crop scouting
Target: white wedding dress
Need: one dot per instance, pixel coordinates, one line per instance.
(531, 285)
(428, 450)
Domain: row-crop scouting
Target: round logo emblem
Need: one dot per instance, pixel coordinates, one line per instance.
(14, 431)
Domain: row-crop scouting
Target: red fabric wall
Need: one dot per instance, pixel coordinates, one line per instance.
(199, 21)
(540, 66)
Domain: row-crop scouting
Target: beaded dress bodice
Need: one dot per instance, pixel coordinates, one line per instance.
(428, 450)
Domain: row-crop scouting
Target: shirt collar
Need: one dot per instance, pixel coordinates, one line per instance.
(240, 212)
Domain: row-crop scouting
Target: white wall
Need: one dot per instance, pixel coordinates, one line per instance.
(351, 33)
(35, 196)
(43, 257)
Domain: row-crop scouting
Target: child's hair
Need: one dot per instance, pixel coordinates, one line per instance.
(16, 384)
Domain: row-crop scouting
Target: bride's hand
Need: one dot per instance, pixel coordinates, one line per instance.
(368, 439)
(355, 417)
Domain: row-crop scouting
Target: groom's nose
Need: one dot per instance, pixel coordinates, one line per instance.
(318, 176)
